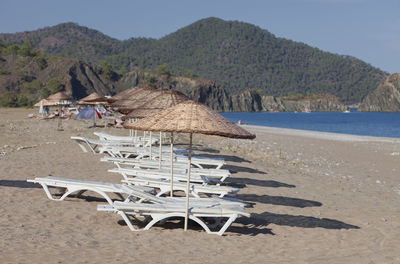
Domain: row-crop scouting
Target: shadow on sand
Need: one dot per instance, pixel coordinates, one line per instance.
(225, 157)
(242, 182)
(278, 200)
(257, 223)
(235, 169)
(19, 184)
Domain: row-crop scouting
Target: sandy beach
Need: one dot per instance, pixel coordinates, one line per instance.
(316, 198)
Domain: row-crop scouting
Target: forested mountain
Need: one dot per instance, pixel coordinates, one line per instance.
(235, 54)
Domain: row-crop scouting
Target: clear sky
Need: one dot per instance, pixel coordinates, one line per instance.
(366, 29)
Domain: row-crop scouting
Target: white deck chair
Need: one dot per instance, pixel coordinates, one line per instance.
(180, 155)
(138, 152)
(80, 186)
(179, 167)
(96, 145)
(161, 212)
(138, 140)
(164, 187)
(127, 173)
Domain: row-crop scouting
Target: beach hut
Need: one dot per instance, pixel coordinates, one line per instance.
(190, 117)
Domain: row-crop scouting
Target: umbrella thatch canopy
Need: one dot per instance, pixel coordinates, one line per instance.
(191, 117)
(161, 99)
(121, 95)
(93, 98)
(45, 103)
(134, 98)
(60, 96)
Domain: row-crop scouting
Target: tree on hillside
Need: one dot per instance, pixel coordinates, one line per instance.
(55, 86)
(27, 49)
(106, 69)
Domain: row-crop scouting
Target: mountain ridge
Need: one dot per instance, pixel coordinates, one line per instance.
(237, 55)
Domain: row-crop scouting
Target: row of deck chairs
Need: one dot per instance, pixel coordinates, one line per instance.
(144, 185)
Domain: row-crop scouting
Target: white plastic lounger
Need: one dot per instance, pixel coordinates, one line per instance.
(157, 174)
(138, 195)
(164, 187)
(144, 153)
(80, 186)
(160, 212)
(179, 167)
(138, 152)
(96, 145)
(137, 140)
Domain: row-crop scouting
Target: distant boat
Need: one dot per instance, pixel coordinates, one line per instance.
(346, 111)
(306, 110)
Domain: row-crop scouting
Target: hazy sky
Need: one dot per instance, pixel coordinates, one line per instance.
(366, 29)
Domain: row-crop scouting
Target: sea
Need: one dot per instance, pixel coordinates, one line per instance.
(353, 122)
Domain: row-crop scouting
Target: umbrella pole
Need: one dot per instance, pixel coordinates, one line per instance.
(160, 156)
(94, 119)
(151, 140)
(188, 182)
(172, 164)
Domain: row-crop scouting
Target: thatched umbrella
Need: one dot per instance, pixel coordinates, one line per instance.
(159, 100)
(44, 102)
(93, 99)
(60, 98)
(191, 117)
(121, 95)
(134, 98)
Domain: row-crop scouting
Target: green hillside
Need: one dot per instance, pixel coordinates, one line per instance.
(238, 55)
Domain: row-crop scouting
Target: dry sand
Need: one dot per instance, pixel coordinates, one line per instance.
(317, 198)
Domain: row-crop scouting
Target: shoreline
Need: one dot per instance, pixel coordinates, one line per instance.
(320, 134)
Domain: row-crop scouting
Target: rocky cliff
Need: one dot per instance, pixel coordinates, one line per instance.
(29, 78)
(386, 98)
(251, 101)
(201, 90)
(25, 76)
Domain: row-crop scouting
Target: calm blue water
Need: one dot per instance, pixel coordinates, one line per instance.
(357, 123)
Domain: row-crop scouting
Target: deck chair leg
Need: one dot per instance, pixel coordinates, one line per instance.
(158, 217)
(127, 221)
(49, 194)
(227, 224)
(82, 147)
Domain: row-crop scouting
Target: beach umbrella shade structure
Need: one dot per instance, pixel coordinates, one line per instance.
(191, 117)
(122, 95)
(60, 98)
(45, 102)
(159, 100)
(93, 99)
(133, 98)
